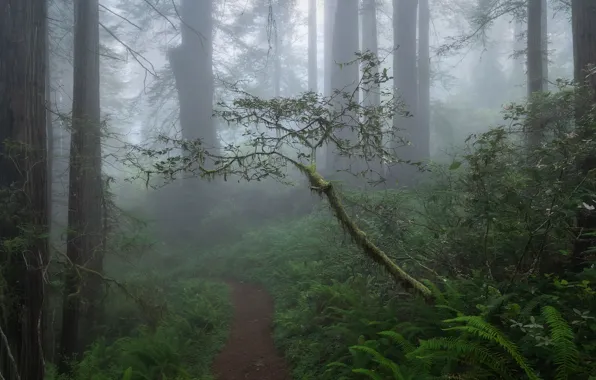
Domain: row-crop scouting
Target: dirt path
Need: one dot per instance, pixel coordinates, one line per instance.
(250, 353)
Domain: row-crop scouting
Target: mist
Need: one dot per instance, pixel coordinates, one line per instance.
(297, 189)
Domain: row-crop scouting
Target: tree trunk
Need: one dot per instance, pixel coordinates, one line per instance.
(192, 65)
(544, 42)
(313, 66)
(82, 289)
(312, 45)
(23, 187)
(406, 89)
(328, 67)
(536, 52)
(330, 8)
(344, 79)
(371, 94)
(424, 78)
(583, 20)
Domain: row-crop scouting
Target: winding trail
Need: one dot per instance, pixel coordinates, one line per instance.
(250, 353)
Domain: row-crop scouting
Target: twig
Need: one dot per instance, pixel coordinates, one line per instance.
(9, 352)
(121, 17)
(132, 52)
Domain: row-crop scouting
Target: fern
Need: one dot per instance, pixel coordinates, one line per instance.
(474, 353)
(402, 342)
(566, 355)
(382, 360)
(479, 327)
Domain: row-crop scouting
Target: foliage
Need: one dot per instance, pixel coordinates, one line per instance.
(491, 231)
(180, 346)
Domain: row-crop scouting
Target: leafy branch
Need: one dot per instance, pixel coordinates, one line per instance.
(283, 133)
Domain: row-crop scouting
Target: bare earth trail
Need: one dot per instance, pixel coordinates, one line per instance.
(250, 353)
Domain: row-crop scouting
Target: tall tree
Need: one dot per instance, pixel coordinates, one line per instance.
(423, 123)
(85, 233)
(372, 96)
(330, 9)
(192, 65)
(23, 187)
(371, 93)
(537, 56)
(312, 45)
(344, 77)
(583, 20)
(277, 50)
(328, 67)
(406, 88)
(544, 42)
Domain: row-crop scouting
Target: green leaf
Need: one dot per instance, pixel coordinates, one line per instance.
(127, 374)
(455, 165)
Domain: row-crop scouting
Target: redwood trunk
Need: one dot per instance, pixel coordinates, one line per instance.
(84, 248)
(583, 14)
(23, 186)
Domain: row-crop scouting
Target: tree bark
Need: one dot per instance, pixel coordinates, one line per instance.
(84, 249)
(583, 20)
(23, 187)
(406, 89)
(370, 42)
(192, 65)
(536, 55)
(345, 79)
(330, 8)
(424, 78)
(312, 46)
(372, 95)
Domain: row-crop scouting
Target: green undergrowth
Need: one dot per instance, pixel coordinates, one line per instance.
(174, 337)
(337, 317)
(493, 235)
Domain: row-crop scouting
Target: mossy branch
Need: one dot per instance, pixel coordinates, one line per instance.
(323, 187)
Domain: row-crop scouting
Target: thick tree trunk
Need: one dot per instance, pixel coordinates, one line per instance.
(372, 93)
(583, 15)
(313, 66)
(192, 65)
(328, 67)
(406, 89)
(312, 46)
(330, 8)
(23, 186)
(536, 55)
(424, 79)
(544, 42)
(84, 249)
(344, 79)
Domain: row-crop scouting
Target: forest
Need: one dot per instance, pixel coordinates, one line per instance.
(297, 189)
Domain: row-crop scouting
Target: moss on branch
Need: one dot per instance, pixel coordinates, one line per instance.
(323, 187)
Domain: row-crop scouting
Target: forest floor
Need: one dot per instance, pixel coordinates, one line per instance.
(250, 352)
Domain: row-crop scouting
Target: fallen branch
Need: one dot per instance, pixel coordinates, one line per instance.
(323, 187)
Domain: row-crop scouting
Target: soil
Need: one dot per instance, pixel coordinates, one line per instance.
(250, 353)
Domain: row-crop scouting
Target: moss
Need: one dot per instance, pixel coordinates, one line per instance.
(325, 188)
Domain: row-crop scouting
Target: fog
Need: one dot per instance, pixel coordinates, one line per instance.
(299, 189)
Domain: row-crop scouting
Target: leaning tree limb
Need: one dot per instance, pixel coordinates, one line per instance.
(325, 188)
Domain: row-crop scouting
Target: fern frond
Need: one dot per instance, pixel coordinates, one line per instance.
(379, 358)
(477, 326)
(535, 302)
(402, 342)
(497, 303)
(457, 349)
(566, 355)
